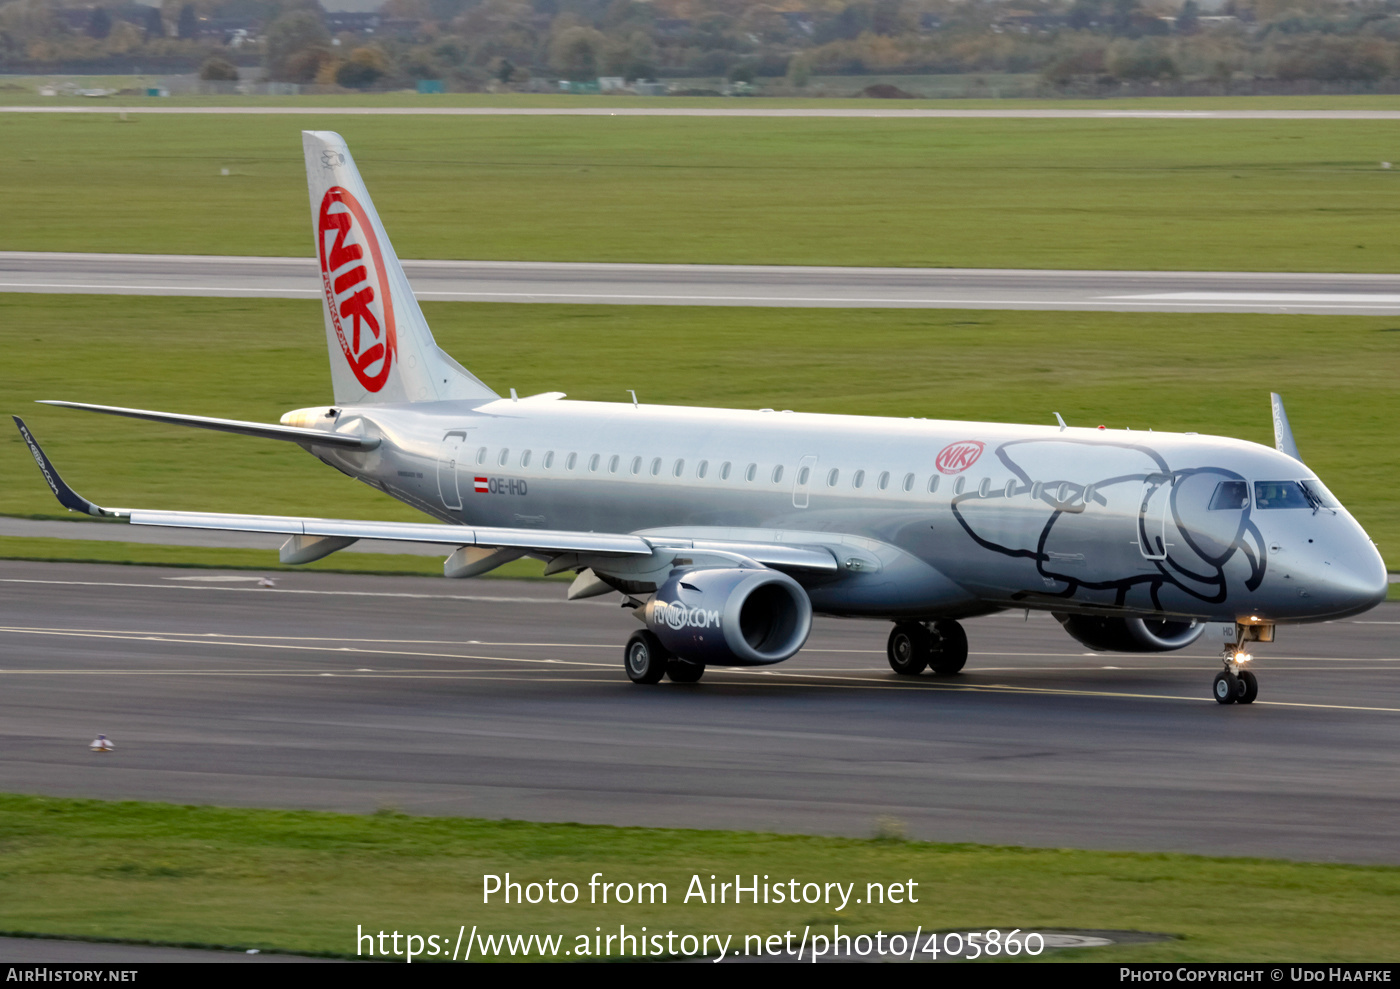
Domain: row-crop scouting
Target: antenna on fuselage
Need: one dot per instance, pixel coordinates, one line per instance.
(1061, 420)
(634, 397)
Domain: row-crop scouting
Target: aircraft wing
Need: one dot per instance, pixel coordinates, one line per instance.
(296, 434)
(312, 538)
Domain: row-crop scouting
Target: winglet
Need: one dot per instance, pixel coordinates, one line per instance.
(1283, 433)
(66, 496)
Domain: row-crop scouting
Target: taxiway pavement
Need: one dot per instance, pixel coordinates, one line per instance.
(723, 285)
(499, 699)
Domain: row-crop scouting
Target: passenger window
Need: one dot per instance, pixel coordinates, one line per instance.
(593, 462)
(724, 471)
(1088, 493)
(656, 467)
(778, 474)
(751, 473)
(569, 463)
(612, 464)
(959, 484)
(501, 460)
(549, 460)
(702, 468)
(481, 456)
(636, 465)
(858, 479)
(908, 482)
(933, 484)
(984, 489)
(833, 477)
(1035, 491)
(525, 459)
(676, 470)
(1280, 494)
(1062, 494)
(884, 481)
(1230, 495)
(1011, 489)
(803, 475)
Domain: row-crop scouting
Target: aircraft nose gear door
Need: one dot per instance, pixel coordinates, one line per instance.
(1153, 514)
(802, 481)
(452, 445)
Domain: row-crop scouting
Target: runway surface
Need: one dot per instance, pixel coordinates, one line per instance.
(499, 699)
(723, 285)
(873, 112)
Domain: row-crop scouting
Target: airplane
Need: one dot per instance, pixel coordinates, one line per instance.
(726, 530)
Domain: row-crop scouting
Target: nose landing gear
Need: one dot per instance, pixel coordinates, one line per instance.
(1236, 684)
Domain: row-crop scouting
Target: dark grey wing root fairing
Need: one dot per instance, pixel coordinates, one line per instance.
(66, 496)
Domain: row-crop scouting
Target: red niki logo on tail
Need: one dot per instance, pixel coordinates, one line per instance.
(958, 457)
(357, 294)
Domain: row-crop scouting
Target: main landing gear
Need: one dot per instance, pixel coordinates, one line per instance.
(940, 646)
(1236, 684)
(647, 661)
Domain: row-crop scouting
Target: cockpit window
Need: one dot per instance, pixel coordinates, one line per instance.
(1230, 495)
(1320, 493)
(1281, 494)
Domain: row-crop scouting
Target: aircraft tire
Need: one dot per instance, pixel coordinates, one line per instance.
(948, 654)
(1249, 688)
(1225, 687)
(683, 670)
(908, 648)
(645, 658)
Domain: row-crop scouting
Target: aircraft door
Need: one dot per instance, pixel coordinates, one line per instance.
(802, 481)
(448, 457)
(1153, 514)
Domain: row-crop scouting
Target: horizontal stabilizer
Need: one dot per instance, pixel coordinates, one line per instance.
(295, 434)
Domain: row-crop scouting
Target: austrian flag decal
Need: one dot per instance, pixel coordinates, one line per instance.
(356, 287)
(481, 486)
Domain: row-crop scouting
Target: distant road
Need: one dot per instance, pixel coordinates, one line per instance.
(675, 111)
(723, 285)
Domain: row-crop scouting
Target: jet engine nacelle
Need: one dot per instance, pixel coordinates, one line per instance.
(1131, 634)
(730, 617)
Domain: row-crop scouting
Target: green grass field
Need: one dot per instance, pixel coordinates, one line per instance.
(303, 881)
(255, 359)
(1173, 194)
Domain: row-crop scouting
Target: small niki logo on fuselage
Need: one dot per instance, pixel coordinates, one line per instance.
(356, 287)
(958, 457)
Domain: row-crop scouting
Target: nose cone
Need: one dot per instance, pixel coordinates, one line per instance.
(1354, 579)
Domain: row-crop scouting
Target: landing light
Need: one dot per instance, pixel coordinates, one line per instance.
(1242, 657)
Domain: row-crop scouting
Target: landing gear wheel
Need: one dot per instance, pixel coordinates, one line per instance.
(949, 653)
(1226, 688)
(684, 670)
(908, 648)
(1248, 689)
(645, 658)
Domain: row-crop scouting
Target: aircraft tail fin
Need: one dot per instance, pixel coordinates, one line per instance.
(381, 349)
